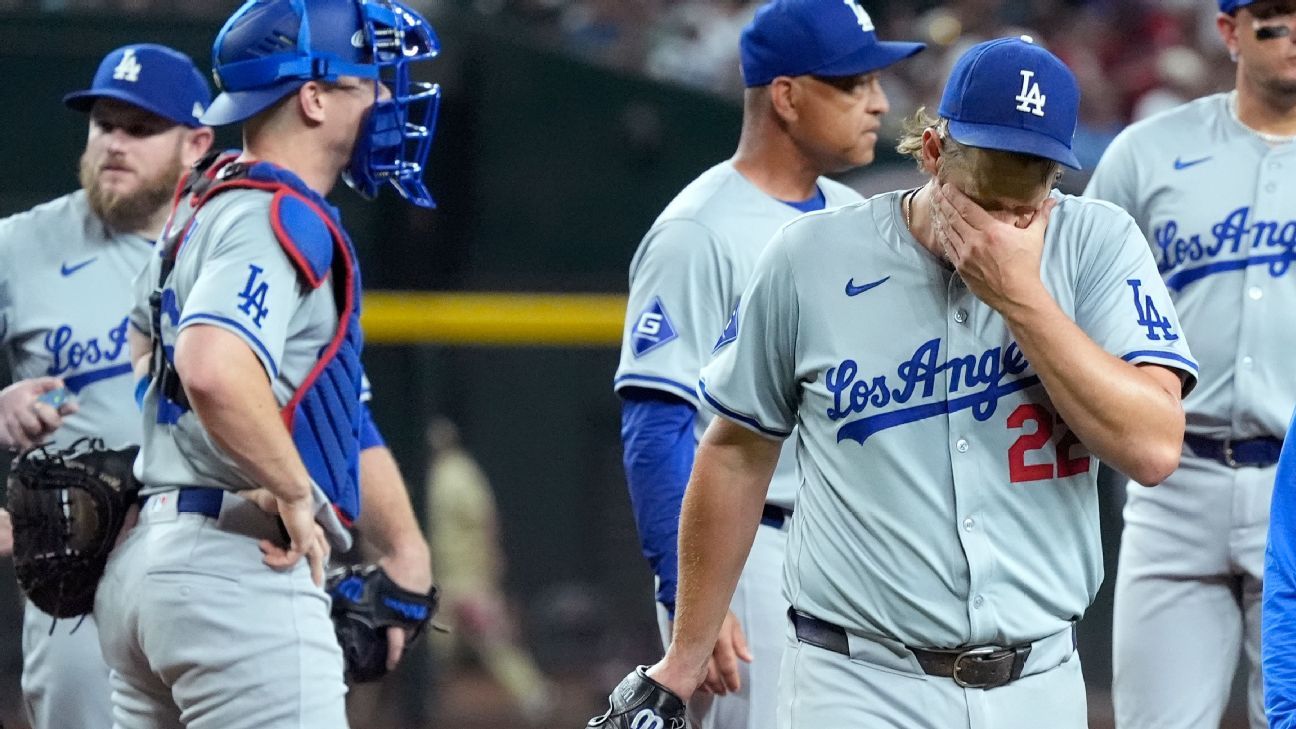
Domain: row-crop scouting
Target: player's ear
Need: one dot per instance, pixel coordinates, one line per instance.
(1228, 30)
(310, 100)
(783, 93)
(195, 144)
(932, 151)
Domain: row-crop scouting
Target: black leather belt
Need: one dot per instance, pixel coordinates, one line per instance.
(775, 516)
(982, 667)
(1253, 452)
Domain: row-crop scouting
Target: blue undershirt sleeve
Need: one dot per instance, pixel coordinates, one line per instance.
(657, 434)
(1278, 619)
(369, 435)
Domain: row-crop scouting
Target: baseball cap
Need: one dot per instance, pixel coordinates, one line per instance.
(270, 48)
(155, 78)
(821, 37)
(1228, 6)
(1012, 95)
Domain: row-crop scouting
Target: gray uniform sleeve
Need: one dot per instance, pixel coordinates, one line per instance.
(677, 309)
(248, 287)
(752, 380)
(146, 281)
(1115, 179)
(1121, 301)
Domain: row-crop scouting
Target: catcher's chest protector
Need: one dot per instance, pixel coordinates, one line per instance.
(324, 413)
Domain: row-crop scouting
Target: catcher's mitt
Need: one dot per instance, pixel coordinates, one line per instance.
(639, 702)
(365, 603)
(68, 507)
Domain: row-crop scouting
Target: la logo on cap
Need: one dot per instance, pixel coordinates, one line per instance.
(129, 68)
(862, 17)
(1030, 99)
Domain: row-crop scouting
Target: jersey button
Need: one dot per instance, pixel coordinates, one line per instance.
(960, 316)
(1256, 293)
(1246, 361)
(961, 445)
(978, 601)
(969, 524)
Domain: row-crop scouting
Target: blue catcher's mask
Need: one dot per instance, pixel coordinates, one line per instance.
(270, 48)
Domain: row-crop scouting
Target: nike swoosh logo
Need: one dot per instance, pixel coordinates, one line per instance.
(69, 270)
(853, 290)
(1182, 165)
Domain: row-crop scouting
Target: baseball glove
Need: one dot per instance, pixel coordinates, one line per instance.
(639, 702)
(365, 603)
(68, 507)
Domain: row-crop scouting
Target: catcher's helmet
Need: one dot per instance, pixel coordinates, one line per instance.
(270, 48)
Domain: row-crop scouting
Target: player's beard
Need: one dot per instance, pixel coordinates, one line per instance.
(131, 211)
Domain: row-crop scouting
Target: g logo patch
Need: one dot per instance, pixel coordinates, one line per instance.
(652, 329)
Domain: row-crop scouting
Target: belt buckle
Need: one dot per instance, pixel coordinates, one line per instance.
(971, 654)
(1229, 460)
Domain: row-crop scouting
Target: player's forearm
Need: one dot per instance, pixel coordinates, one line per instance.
(721, 512)
(228, 390)
(1128, 416)
(387, 520)
(141, 347)
(658, 445)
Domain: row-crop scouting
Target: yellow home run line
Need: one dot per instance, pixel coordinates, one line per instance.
(558, 320)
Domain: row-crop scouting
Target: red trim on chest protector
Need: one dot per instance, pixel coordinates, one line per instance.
(288, 413)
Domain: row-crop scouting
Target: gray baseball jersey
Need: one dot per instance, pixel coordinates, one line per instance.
(230, 273)
(65, 292)
(685, 283)
(1215, 202)
(1224, 249)
(943, 502)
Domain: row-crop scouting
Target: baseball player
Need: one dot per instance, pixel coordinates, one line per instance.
(65, 292)
(246, 330)
(812, 107)
(1207, 184)
(1278, 638)
(952, 359)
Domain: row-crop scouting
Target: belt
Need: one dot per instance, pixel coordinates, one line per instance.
(205, 501)
(981, 667)
(775, 516)
(1254, 452)
(231, 513)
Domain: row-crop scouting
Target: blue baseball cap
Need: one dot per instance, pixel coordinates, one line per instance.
(1228, 6)
(1012, 95)
(820, 37)
(155, 78)
(270, 48)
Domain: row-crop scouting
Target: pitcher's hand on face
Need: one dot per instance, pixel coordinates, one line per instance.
(306, 539)
(999, 261)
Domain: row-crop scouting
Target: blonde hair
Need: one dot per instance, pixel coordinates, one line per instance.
(978, 162)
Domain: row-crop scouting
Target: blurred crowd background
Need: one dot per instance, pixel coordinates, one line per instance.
(566, 126)
(1133, 57)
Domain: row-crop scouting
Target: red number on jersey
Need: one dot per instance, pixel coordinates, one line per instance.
(1018, 470)
(1045, 421)
(1066, 465)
